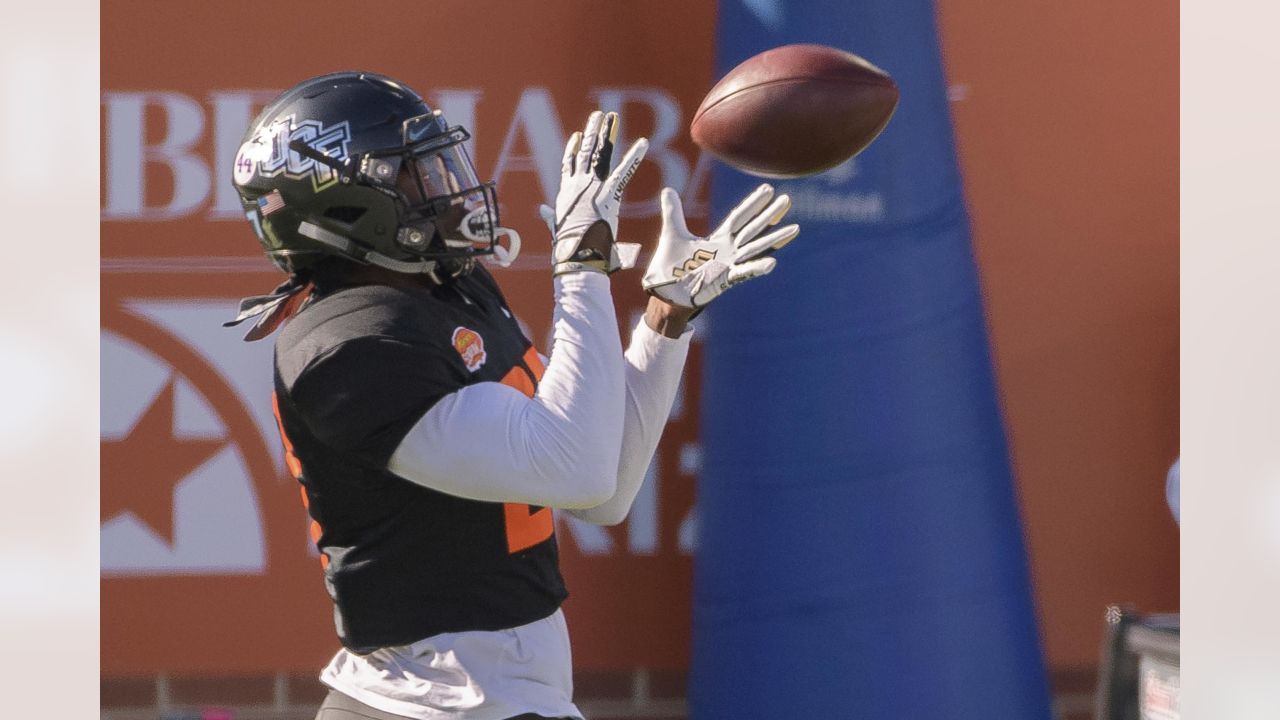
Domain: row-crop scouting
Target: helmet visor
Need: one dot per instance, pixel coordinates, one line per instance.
(454, 211)
(443, 172)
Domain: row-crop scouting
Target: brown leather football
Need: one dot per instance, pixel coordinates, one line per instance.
(795, 110)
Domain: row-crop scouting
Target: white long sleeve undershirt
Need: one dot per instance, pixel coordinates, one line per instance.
(582, 443)
(654, 364)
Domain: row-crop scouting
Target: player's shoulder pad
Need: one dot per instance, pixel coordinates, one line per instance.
(353, 314)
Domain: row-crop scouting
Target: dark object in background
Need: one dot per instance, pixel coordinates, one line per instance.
(1139, 678)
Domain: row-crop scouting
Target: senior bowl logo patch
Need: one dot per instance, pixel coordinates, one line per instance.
(470, 346)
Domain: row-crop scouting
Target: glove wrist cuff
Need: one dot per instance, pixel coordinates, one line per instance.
(572, 266)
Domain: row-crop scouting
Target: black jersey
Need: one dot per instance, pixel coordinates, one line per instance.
(355, 370)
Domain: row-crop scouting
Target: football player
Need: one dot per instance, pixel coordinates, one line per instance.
(430, 438)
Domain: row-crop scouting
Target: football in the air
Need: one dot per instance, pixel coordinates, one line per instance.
(795, 110)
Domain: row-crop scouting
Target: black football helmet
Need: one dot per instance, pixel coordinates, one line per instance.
(357, 165)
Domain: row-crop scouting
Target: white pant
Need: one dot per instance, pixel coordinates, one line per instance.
(478, 675)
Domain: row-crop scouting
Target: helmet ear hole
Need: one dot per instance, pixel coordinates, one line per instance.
(346, 214)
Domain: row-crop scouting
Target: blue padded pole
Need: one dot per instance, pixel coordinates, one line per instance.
(860, 553)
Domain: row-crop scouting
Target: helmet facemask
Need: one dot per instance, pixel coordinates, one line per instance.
(445, 213)
(445, 217)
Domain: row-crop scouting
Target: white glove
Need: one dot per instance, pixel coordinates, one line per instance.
(691, 271)
(589, 194)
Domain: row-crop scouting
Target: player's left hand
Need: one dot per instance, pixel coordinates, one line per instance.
(691, 271)
(589, 199)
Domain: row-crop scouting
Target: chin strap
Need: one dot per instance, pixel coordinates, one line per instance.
(504, 256)
(352, 250)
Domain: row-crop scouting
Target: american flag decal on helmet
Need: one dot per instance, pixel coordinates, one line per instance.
(271, 202)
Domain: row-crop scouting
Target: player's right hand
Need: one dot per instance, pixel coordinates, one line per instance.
(691, 271)
(584, 223)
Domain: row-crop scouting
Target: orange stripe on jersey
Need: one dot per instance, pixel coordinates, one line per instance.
(295, 468)
(315, 531)
(534, 362)
(519, 379)
(524, 528)
(290, 460)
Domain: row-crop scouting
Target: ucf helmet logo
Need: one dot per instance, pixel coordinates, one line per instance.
(470, 347)
(268, 154)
